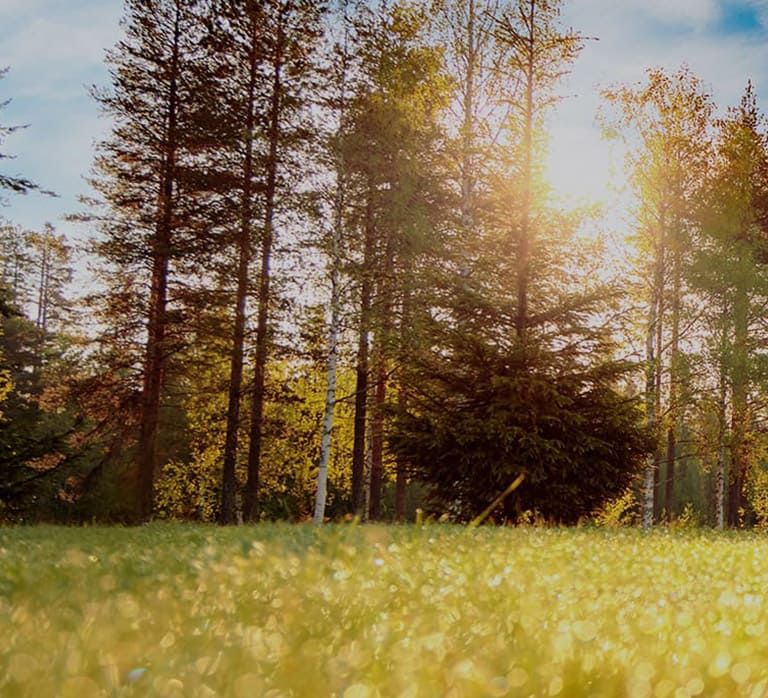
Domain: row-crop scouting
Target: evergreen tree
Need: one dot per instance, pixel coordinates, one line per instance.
(14, 183)
(292, 29)
(146, 177)
(392, 151)
(515, 374)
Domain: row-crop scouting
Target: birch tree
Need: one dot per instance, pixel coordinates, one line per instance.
(339, 72)
(665, 123)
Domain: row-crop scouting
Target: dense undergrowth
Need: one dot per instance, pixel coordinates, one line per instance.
(357, 611)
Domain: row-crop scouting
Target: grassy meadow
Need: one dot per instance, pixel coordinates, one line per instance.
(362, 611)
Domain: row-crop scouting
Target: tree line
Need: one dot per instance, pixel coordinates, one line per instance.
(329, 278)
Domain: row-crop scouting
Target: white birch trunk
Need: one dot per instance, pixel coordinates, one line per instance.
(650, 402)
(720, 488)
(335, 319)
(330, 402)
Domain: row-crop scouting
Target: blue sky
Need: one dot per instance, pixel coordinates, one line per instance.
(55, 49)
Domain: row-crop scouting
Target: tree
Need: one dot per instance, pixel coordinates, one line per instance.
(244, 40)
(146, 176)
(483, 414)
(17, 267)
(292, 27)
(393, 155)
(514, 373)
(339, 73)
(40, 426)
(15, 183)
(730, 271)
(666, 123)
(51, 255)
(474, 55)
(538, 56)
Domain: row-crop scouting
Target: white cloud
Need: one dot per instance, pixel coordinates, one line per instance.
(634, 35)
(686, 12)
(55, 47)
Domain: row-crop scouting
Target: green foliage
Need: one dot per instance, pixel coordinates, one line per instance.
(167, 610)
(687, 520)
(483, 416)
(189, 491)
(618, 512)
(36, 425)
(758, 497)
(188, 487)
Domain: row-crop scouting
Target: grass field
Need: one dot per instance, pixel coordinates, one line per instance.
(359, 611)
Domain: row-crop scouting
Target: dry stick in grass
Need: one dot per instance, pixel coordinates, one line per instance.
(484, 515)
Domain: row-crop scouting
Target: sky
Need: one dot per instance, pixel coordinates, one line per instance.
(55, 51)
(723, 42)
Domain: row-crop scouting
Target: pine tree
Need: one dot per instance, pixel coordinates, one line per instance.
(243, 41)
(292, 29)
(511, 375)
(52, 257)
(14, 183)
(392, 155)
(143, 177)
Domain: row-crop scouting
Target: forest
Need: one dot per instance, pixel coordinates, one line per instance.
(327, 277)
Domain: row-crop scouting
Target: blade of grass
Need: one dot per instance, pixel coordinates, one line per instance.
(486, 512)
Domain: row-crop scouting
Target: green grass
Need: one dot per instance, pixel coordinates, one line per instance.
(364, 611)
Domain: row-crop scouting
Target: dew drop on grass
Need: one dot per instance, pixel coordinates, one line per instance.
(135, 675)
(740, 672)
(358, 690)
(720, 664)
(555, 686)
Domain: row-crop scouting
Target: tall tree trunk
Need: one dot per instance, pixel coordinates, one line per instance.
(405, 328)
(335, 319)
(41, 322)
(674, 379)
(652, 385)
(361, 378)
(650, 473)
(377, 430)
(250, 500)
(330, 391)
(739, 416)
(524, 236)
(155, 351)
(381, 359)
(244, 243)
(720, 471)
(42, 291)
(468, 125)
(661, 298)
